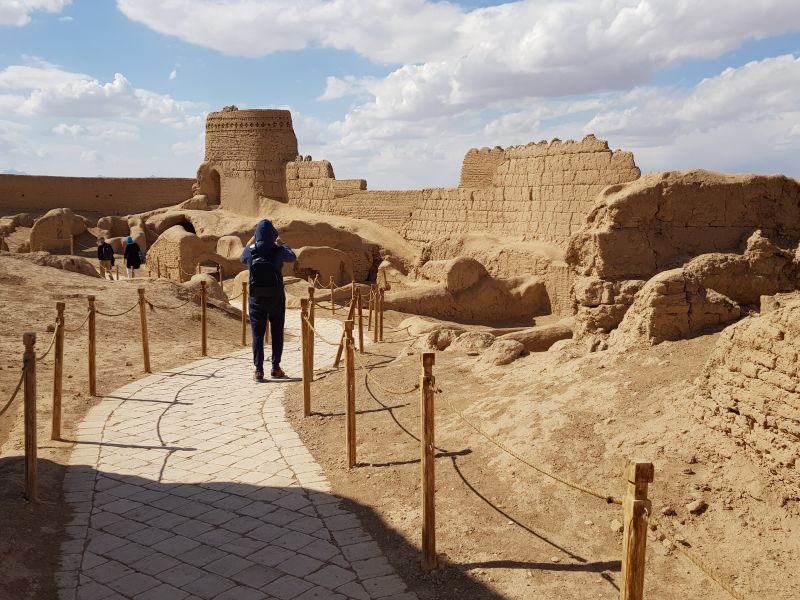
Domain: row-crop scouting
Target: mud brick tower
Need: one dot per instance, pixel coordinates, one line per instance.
(246, 156)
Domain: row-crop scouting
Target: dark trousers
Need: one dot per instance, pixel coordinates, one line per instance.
(263, 311)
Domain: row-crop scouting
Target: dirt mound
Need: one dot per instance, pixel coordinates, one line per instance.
(324, 262)
(75, 264)
(540, 339)
(672, 306)
(486, 301)
(53, 231)
(663, 219)
(749, 390)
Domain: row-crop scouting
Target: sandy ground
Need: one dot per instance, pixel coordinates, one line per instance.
(30, 534)
(504, 530)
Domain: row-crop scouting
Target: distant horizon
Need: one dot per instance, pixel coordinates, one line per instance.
(398, 94)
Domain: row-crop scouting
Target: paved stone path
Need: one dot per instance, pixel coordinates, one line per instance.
(191, 484)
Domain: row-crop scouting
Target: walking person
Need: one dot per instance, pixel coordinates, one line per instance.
(133, 257)
(267, 298)
(105, 257)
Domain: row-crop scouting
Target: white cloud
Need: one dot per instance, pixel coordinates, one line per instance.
(17, 13)
(66, 19)
(53, 92)
(64, 123)
(98, 130)
(173, 75)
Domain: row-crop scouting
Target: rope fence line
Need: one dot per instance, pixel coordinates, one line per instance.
(14, 393)
(609, 498)
(656, 524)
(114, 315)
(79, 327)
(50, 346)
(319, 335)
(152, 304)
(368, 374)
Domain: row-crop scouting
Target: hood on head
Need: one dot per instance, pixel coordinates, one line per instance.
(266, 234)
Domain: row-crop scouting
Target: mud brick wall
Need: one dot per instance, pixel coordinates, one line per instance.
(479, 166)
(311, 185)
(539, 192)
(750, 388)
(96, 195)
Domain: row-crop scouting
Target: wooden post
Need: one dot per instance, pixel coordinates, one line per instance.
(203, 316)
(58, 372)
(72, 245)
(244, 313)
(360, 310)
(371, 306)
(145, 336)
(307, 338)
(635, 507)
(343, 341)
(333, 304)
(158, 268)
(350, 394)
(198, 268)
(116, 267)
(219, 274)
(311, 290)
(92, 348)
(429, 561)
(381, 300)
(29, 364)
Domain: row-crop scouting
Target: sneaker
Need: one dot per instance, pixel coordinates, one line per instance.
(258, 376)
(278, 374)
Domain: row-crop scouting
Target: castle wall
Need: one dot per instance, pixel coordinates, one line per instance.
(537, 192)
(99, 195)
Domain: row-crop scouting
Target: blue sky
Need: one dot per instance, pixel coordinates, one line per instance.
(396, 91)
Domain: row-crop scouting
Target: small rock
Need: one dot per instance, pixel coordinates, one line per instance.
(128, 363)
(668, 511)
(692, 460)
(555, 559)
(588, 523)
(51, 328)
(667, 544)
(616, 526)
(681, 540)
(688, 472)
(697, 507)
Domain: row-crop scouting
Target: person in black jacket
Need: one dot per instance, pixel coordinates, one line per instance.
(267, 305)
(133, 257)
(105, 256)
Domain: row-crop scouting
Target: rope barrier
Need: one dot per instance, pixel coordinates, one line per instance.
(319, 335)
(153, 305)
(79, 327)
(13, 395)
(113, 315)
(698, 562)
(50, 346)
(239, 295)
(396, 392)
(586, 490)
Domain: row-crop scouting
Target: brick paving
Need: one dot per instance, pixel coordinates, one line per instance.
(190, 484)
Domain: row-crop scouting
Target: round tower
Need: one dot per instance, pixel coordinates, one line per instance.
(246, 156)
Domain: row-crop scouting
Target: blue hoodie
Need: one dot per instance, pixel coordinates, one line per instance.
(266, 234)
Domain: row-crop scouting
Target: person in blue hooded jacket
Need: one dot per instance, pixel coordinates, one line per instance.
(265, 259)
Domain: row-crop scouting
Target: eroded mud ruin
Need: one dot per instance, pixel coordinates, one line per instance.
(551, 244)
